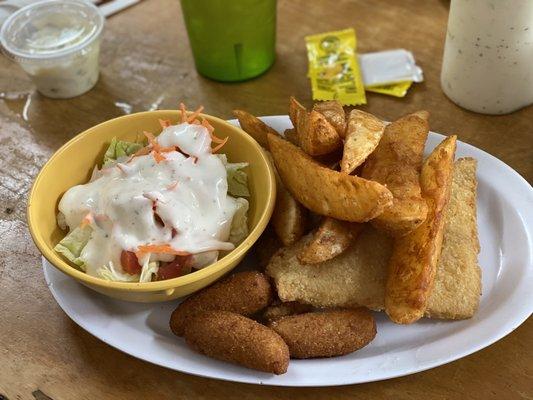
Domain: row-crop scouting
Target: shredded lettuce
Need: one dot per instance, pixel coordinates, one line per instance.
(72, 245)
(237, 178)
(109, 273)
(239, 224)
(120, 148)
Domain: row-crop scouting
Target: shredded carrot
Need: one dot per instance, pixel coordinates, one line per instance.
(218, 147)
(208, 126)
(158, 157)
(195, 114)
(183, 112)
(159, 248)
(196, 122)
(142, 152)
(165, 123)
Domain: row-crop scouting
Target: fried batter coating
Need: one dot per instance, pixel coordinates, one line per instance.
(231, 337)
(326, 334)
(243, 293)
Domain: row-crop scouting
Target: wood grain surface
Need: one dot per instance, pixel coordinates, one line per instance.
(146, 63)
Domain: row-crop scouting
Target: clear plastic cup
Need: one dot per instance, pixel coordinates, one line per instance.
(57, 43)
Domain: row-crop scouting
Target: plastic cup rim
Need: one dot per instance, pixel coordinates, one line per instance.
(19, 56)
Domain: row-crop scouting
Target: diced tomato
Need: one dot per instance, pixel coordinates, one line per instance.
(178, 267)
(129, 262)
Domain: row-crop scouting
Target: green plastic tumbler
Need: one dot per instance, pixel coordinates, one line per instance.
(231, 40)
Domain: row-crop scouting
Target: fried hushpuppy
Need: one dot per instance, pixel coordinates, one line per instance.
(326, 333)
(231, 337)
(243, 293)
(276, 311)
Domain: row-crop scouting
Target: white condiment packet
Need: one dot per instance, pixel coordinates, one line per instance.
(389, 66)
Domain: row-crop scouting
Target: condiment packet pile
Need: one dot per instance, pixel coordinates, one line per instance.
(337, 72)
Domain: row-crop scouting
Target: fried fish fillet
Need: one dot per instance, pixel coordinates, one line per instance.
(357, 277)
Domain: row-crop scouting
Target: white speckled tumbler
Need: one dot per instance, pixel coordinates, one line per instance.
(488, 55)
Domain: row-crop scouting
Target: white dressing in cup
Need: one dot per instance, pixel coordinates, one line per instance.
(57, 43)
(488, 56)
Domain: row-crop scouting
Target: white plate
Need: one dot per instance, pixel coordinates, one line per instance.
(505, 218)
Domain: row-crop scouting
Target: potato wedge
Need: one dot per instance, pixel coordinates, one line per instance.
(396, 163)
(292, 136)
(412, 266)
(324, 191)
(289, 218)
(254, 127)
(334, 113)
(330, 239)
(295, 109)
(363, 133)
(316, 135)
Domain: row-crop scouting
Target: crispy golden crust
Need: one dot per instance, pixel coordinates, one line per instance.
(363, 133)
(325, 191)
(330, 239)
(355, 277)
(289, 216)
(358, 275)
(316, 136)
(243, 293)
(334, 113)
(291, 135)
(413, 263)
(231, 337)
(396, 163)
(254, 127)
(458, 279)
(326, 333)
(276, 311)
(295, 109)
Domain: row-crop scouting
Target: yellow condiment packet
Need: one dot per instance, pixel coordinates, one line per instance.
(333, 67)
(398, 89)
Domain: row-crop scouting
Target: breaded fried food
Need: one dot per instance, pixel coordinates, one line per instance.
(324, 191)
(330, 239)
(326, 333)
(254, 127)
(236, 339)
(413, 263)
(334, 113)
(458, 280)
(358, 275)
(396, 163)
(363, 133)
(276, 311)
(355, 277)
(243, 293)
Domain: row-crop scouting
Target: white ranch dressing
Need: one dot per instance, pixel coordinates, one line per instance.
(188, 189)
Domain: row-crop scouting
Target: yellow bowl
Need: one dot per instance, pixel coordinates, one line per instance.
(72, 164)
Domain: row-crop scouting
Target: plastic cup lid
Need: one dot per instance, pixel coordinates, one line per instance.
(50, 29)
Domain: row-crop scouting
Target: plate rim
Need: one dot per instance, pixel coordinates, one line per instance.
(504, 329)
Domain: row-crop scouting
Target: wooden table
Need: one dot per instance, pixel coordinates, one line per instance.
(146, 63)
